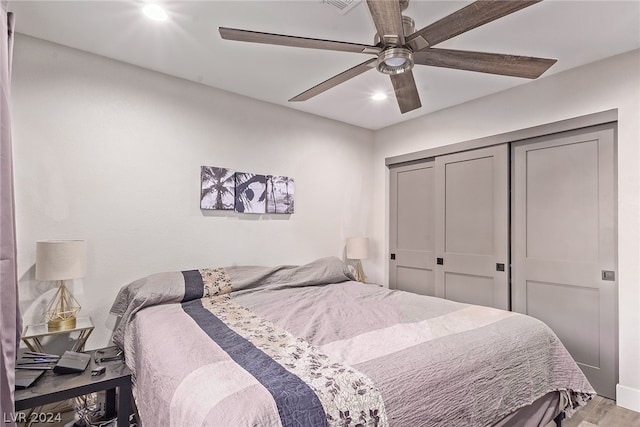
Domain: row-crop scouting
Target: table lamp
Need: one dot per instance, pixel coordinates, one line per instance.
(358, 249)
(61, 260)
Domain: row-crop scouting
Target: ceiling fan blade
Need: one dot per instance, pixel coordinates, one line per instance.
(474, 15)
(406, 91)
(284, 40)
(387, 17)
(335, 80)
(492, 63)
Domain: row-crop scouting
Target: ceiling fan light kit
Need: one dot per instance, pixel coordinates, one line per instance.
(395, 60)
(399, 47)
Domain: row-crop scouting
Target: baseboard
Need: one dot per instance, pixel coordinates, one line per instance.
(628, 397)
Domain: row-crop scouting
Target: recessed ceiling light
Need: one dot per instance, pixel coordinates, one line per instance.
(155, 12)
(379, 96)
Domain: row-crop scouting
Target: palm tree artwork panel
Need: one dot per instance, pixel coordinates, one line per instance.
(217, 188)
(280, 194)
(251, 192)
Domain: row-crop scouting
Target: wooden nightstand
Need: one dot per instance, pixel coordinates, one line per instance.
(54, 388)
(32, 334)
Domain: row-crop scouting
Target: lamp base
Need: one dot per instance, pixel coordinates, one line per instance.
(61, 324)
(62, 310)
(360, 277)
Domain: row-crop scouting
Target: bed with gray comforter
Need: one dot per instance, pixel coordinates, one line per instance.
(307, 346)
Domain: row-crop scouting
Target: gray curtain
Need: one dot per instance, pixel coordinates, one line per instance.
(10, 321)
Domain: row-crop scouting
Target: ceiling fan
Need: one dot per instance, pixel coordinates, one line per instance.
(398, 47)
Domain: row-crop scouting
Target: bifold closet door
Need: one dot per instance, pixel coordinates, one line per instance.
(411, 197)
(472, 226)
(564, 250)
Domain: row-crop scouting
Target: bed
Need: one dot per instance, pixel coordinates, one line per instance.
(308, 346)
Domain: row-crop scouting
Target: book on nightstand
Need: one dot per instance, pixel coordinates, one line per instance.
(72, 362)
(27, 377)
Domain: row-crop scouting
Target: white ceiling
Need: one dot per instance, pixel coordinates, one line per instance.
(188, 45)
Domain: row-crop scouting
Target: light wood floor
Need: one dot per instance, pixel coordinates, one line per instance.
(602, 412)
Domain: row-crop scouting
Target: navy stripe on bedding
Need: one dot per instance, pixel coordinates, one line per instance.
(193, 285)
(297, 403)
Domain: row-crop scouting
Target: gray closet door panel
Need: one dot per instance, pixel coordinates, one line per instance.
(414, 258)
(563, 218)
(553, 205)
(469, 289)
(559, 272)
(480, 265)
(411, 235)
(414, 207)
(545, 300)
(469, 183)
(472, 226)
(417, 280)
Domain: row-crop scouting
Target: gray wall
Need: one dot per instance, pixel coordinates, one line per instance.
(111, 153)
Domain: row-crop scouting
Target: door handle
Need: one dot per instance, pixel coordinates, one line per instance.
(499, 266)
(440, 261)
(609, 275)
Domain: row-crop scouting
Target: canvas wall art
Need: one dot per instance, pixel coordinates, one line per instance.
(280, 194)
(251, 191)
(217, 188)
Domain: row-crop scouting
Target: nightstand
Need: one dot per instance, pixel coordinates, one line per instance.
(32, 334)
(53, 388)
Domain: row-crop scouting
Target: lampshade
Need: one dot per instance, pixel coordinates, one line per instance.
(358, 247)
(61, 259)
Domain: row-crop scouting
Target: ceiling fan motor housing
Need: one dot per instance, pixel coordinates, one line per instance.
(397, 59)
(408, 25)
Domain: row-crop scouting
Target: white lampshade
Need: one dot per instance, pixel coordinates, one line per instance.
(358, 247)
(61, 259)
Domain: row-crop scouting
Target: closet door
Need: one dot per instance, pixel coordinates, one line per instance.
(564, 252)
(411, 237)
(472, 227)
